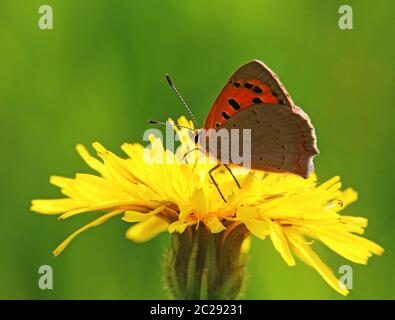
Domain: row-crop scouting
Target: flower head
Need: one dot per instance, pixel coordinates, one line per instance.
(177, 195)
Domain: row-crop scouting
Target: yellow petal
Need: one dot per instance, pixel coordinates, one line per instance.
(280, 242)
(55, 206)
(257, 226)
(135, 216)
(60, 182)
(92, 224)
(198, 202)
(334, 181)
(123, 205)
(307, 254)
(358, 221)
(246, 245)
(348, 196)
(178, 226)
(214, 224)
(90, 161)
(147, 229)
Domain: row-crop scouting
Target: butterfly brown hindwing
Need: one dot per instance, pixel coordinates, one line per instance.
(282, 139)
(253, 83)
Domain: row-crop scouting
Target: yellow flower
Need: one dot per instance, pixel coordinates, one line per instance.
(174, 196)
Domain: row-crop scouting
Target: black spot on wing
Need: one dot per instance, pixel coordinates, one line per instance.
(225, 115)
(248, 85)
(234, 104)
(275, 94)
(257, 100)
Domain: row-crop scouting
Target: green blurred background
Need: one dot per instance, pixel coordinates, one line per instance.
(99, 76)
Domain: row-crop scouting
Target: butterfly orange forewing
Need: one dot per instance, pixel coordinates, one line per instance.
(253, 83)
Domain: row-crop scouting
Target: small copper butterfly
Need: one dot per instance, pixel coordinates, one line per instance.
(282, 136)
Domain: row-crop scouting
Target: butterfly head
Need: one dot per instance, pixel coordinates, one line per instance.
(196, 135)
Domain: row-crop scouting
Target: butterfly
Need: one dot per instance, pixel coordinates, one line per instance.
(282, 137)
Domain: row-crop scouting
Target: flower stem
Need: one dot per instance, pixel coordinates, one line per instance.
(202, 265)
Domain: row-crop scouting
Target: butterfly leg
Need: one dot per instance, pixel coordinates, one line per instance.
(215, 182)
(188, 152)
(234, 178)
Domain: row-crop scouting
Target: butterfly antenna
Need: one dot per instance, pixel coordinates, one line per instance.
(166, 123)
(181, 98)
